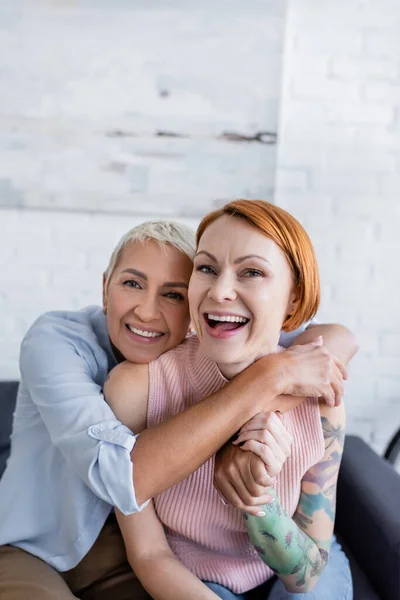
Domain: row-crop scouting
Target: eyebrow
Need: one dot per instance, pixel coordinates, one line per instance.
(238, 260)
(175, 284)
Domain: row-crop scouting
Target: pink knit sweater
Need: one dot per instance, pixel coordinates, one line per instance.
(208, 537)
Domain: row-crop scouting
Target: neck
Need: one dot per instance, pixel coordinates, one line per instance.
(230, 370)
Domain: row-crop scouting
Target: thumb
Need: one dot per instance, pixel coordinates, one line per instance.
(319, 341)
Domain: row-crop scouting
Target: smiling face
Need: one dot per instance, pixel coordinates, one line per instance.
(240, 293)
(146, 300)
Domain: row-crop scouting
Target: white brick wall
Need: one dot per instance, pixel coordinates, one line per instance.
(338, 162)
(71, 73)
(88, 87)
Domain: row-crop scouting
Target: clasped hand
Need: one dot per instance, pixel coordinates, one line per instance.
(247, 467)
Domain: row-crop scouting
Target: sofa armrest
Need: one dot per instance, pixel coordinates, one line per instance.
(368, 515)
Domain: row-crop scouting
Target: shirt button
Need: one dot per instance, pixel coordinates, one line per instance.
(96, 430)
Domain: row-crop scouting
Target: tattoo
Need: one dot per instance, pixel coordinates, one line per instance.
(323, 471)
(259, 549)
(332, 433)
(321, 475)
(286, 549)
(311, 503)
(282, 541)
(324, 554)
(288, 539)
(301, 520)
(269, 536)
(312, 559)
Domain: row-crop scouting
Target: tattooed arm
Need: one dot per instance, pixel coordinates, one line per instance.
(297, 549)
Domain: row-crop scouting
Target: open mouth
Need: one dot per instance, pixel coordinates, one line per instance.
(225, 322)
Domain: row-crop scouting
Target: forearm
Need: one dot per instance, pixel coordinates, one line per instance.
(166, 578)
(286, 548)
(177, 447)
(339, 340)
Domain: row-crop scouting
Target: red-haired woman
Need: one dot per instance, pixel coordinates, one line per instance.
(255, 273)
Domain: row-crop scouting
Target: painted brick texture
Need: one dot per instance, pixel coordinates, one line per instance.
(338, 162)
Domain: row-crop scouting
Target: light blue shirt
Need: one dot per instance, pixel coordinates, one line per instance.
(70, 457)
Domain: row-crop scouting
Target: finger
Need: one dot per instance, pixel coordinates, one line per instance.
(257, 422)
(281, 435)
(328, 395)
(236, 494)
(258, 511)
(279, 450)
(341, 367)
(272, 465)
(319, 341)
(255, 487)
(258, 473)
(337, 385)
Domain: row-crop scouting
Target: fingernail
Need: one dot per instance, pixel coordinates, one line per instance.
(260, 513)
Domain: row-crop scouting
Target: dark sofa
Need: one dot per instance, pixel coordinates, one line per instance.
(368, 510)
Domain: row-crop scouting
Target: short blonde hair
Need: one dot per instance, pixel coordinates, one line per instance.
(292, 239)
(163, 232)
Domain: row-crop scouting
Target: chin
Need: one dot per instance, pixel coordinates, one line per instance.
(143, 357)
(225, 357)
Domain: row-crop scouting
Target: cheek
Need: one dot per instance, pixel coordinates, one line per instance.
(270, 311)
(178, 321)
(194, 291)
(195, 295)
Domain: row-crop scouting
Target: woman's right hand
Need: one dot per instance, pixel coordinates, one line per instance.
(310, 370)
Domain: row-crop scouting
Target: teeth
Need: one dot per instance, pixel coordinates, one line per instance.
(227, 318)
(148, 334)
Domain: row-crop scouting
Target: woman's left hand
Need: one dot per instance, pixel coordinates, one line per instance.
(266, 436)
(243, 475)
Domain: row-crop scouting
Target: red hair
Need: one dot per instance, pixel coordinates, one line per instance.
(292, 239)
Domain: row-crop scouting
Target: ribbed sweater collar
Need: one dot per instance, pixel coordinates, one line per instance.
(202, 372)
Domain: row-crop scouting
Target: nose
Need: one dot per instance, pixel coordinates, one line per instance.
(223, 288)
(147, 309)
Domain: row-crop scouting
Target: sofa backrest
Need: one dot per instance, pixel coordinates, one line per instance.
(8, 395)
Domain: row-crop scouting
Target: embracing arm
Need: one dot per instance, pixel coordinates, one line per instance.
(297, 548)
(59, 369)
(146, 545)
(178, 446)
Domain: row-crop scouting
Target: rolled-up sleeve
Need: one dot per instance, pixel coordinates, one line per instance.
(58, 374)
(111, 475)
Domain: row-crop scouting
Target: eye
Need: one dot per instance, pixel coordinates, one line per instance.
(206, 269)
(253, 273)
(175, 296)
(132, 283)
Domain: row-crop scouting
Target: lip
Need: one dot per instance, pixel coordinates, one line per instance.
(143, 340)
(223, 335)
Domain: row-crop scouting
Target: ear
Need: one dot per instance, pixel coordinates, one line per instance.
(293, 302)
(105, 295)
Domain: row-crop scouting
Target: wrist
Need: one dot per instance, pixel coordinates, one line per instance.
(273, 374)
